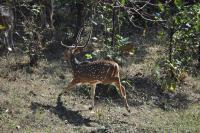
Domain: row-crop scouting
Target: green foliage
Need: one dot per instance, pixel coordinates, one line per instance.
(185, 45)
(187, 34)
(2, 27)
(36, 9)
(161, 7)
(170, 74)
(88, 56)
(178, 3)
(123, 2)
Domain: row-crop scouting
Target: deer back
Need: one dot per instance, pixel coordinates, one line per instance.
(101, 71)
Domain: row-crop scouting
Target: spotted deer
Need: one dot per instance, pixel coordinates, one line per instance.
(7, 24)
(95, 72)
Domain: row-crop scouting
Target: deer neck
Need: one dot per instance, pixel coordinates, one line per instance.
(75, 63)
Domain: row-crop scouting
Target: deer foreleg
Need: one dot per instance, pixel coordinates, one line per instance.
(93, 89)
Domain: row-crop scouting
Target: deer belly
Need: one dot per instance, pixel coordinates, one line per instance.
(90, 77)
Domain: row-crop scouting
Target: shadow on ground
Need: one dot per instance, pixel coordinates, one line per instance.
(146, 90)
(72, 117)
(143, 90)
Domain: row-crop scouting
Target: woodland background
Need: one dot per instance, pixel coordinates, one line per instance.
(156, 43)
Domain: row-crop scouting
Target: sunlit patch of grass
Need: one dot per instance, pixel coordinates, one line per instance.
(9, 120)
(173, 121)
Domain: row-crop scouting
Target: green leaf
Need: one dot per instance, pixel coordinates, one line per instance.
(131, 53)
(124, 40)
(172, 87)
(124, 82)
(123, 2)
(160, 5)
(88, 56)
(109, 29)
(2, 27)
(198, 22)
(178, 3)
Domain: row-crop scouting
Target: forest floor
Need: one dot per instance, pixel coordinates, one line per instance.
(29, 99)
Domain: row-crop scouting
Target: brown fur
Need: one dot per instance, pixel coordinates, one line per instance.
(105, 72)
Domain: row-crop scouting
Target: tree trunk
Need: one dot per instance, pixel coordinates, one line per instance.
(114, 23)
(199, 56)
(33, 50)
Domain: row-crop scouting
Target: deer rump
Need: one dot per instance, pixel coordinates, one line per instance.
(100, 71)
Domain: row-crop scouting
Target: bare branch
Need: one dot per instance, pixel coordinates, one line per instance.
(138, 9)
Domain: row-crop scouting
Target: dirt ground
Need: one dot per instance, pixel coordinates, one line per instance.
(29, 99)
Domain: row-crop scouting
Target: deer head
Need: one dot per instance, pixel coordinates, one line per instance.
(72, 50)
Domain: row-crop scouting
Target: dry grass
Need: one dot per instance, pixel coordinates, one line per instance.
(30, 103)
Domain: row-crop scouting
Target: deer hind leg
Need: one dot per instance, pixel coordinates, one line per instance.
(125, 98)
(122, 92)
(93, 89)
